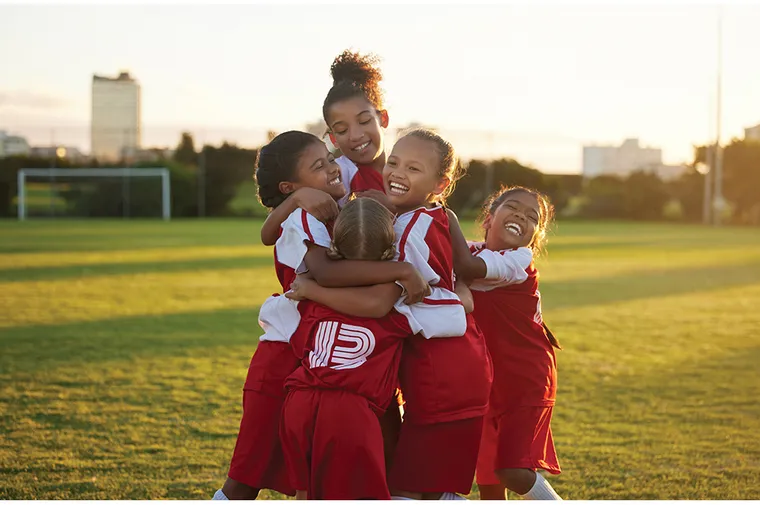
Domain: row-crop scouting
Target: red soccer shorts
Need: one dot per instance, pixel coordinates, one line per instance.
(333, 445)
(437, 457)
(521, 438)
(258, 460)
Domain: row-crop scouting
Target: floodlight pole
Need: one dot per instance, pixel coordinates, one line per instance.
(718, 194)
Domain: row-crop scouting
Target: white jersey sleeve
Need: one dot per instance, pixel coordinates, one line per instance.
(503, 268)
(298, 229)
(441, 314)
(347, 172)
(279, 318)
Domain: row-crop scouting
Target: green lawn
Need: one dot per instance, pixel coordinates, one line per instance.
(125, 345)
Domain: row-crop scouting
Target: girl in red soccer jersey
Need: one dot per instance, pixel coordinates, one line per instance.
(446, 382)
(355, 117)
(517, 437)
(293, 160)
(330, 429)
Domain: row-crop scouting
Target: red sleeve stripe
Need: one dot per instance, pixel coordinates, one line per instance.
(407, 230)
(430, 301)
(305, 223)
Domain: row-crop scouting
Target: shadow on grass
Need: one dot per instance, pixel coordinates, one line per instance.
(32, 348)
(647, 284)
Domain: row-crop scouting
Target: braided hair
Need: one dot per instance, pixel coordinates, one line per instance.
(363, 231)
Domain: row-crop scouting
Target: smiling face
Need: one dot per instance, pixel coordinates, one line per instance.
(514, 223)
(356, 126)
(316, 168)
(412, 174)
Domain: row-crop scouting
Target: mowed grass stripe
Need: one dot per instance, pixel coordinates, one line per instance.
(63, 259)
(99, 298)
(106, 235)
(97, 270)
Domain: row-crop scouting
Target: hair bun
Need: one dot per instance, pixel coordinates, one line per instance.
(355, 68)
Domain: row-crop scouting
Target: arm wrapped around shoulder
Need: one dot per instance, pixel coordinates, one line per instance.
(507, 266)
(439, 315)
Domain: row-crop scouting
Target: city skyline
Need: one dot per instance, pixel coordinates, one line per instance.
(532, 82)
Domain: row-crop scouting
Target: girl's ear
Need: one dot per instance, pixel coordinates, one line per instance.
(286, 187)
(442, 185)
(332, 139)
(383, 118)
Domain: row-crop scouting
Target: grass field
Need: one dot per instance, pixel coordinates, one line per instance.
(125, 346)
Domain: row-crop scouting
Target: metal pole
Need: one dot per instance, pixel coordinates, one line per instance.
(21, 195)
(707, 200)
(202, 182)
(51, 184)
(718, 195)
(166, 194)
(125, 178)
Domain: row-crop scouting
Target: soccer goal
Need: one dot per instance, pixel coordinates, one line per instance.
(103, 183)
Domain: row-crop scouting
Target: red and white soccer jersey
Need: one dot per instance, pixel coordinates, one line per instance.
(279, 315)
(360, 355)
(358, 178)
(517, 432)
(508, 312)
(330, 430)
(443, 379)
(258, 460)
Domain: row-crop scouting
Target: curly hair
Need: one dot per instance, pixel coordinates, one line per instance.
(354, 75)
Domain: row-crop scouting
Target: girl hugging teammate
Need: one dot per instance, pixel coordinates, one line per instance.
(330, 428)
(292, 161)
(446, 382)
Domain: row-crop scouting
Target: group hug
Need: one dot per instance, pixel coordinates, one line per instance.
(399, 360)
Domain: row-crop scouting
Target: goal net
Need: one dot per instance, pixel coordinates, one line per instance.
(94, 192)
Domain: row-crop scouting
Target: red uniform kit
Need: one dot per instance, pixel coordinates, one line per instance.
(358, 178)
(330, 429)
(258, 460)
(446, 381)
(517, 432)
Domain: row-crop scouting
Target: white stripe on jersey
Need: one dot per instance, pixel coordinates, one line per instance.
(415, 250)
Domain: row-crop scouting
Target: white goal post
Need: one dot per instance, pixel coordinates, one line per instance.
(52, 173)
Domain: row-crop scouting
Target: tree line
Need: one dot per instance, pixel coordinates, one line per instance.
(207, 181)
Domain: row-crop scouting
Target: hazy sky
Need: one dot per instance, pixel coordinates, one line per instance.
(545, 79)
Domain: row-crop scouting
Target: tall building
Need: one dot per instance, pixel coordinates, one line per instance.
(115, 127)
(620, 160)
(752, 133)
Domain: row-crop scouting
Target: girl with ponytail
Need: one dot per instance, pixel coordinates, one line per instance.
(291, 162)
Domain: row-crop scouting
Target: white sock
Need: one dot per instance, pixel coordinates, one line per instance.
(219, 495)
(451, 496)
(541, 490)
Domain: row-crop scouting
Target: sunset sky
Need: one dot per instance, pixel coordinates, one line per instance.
(532, 82)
